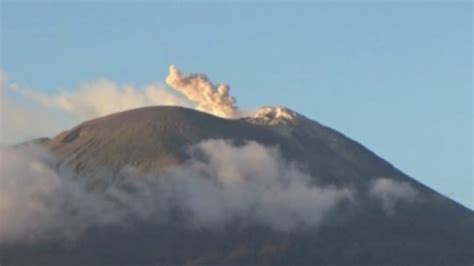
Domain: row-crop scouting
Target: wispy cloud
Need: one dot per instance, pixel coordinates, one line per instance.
(221, 183)
(22, 119)
(390, 192)
(28, 113)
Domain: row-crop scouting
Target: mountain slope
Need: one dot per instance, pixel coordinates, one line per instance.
(155, 137)
(432, 230)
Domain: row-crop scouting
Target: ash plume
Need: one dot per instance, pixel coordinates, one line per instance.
(214, 99)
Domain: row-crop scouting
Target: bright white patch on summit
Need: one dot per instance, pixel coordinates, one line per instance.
(270, 115)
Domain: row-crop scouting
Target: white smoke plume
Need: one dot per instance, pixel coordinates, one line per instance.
(391, 192)
(219, 184)
(21, 119)
(214, 99)
(103, 97)
(23, 107)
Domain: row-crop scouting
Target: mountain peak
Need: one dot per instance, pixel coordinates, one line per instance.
(275, 115)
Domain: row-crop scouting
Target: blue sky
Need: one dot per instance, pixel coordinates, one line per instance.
(396, 77)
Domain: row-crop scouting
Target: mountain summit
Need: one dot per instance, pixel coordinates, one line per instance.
(275, 115)
(275, 188)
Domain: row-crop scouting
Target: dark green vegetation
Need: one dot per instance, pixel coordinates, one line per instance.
(433, 230)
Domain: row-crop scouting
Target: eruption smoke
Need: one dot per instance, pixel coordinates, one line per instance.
(214, 99)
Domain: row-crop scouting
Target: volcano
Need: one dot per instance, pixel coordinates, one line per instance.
(420, 227)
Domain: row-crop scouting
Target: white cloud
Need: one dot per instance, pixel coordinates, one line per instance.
(104, 97)
(253, 183)
(391, 192)
(220, 182)
(37, 203)
(27, 113)
(21, 119)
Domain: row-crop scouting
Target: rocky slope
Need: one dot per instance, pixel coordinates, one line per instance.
(433, 230)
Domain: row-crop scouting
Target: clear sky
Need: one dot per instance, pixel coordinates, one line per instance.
(396, 77)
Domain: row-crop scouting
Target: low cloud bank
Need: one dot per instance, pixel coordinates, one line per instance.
(37, 203)
(252, 183)
(221, 183)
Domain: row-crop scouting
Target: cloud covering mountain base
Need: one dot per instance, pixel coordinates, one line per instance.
(220, 184)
